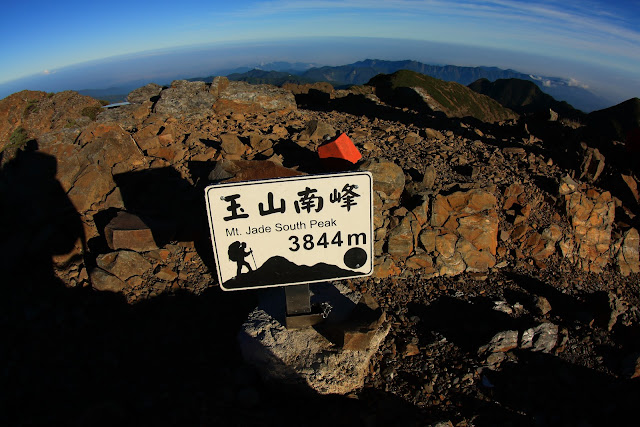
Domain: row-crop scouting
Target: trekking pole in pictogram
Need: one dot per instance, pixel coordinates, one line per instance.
(254, 260)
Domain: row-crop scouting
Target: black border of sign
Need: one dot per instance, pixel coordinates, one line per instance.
(288, 178)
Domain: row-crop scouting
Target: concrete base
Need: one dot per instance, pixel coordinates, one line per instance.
(313, 356)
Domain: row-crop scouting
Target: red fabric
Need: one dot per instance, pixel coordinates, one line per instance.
(341, 148)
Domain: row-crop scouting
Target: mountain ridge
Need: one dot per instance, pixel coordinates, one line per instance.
(522, 96)
(450, 98)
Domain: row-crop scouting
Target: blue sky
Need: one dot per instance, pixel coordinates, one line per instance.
(42, 37)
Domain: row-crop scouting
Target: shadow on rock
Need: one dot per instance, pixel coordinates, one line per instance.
(468, 325)
(76, 356)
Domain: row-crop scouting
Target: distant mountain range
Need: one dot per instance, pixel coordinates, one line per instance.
(361, 72)
(358, 73)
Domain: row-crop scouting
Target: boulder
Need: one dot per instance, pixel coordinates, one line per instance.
(246, 98)
(186, 99)
(543, 337)
(500, 343)
(403, 237)
(128, 231)
(591, 216)
(632, 184)
(317, 130)
(462, 232)
(592, 164)
(103, 281)
(231, 145)
(304, 356)
(123, 264)
(628, 255)
(39, 112)
(150, 92)
(450, 266)
(91, 187)
(388, 180)
(429, 178)
(385, 267)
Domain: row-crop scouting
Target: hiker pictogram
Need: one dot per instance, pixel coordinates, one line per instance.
(238, 254)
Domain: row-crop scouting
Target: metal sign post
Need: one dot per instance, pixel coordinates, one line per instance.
(292, 231)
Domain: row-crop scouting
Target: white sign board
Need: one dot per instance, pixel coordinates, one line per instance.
(293, 230)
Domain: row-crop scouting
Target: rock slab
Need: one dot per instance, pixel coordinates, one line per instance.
(304, 356)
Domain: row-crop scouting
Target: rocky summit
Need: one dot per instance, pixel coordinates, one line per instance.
(506, 281)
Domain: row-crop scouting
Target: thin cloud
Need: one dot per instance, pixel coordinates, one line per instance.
(581, 29)
(586, 18)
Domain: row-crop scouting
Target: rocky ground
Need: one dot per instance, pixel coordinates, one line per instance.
(506, 262)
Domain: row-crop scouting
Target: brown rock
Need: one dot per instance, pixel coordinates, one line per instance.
(533, 240)
(543, 250)
(146, 93)
(231, 144)
(428, 239)
(440, 212)
(433, 134)
(420, 261)
(165, 153)
(450, 266)
(592, 164)
(628, 254)
(246, 98)
(592, 216)
(123, 264)
(246, 170)
(166, 274)
(567, 186)
(631, 366)
(481, 230)
(388, 180)
(476, 260)
(385, 267)
(553, 233)
(219, 85)
(514, 190)
(362, 324)
(412, 138)
(501, 342)
(410, 350)
(520, 231)
(446, 244)
(260, 144)
(109, 145)
(304, 89)
(429, 178)
(91, 187)
(421, 211)
(543, 305)
(38, 112)
(633, 186)
(316, 130)
(128, 231)
(403, 237)
(186, 99)
(103, 281)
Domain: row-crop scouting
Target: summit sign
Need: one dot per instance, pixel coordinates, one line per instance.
(294, 230)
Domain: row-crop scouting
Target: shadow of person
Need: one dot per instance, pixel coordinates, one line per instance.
(37, 219)
(37, 222)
